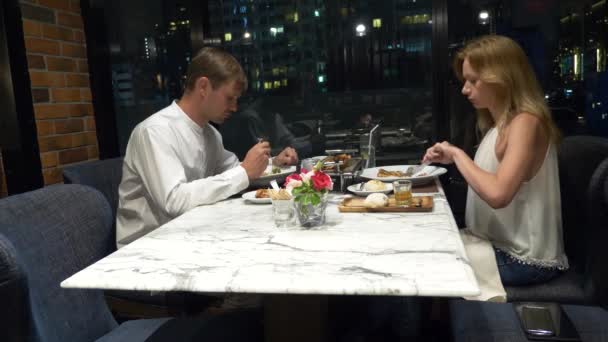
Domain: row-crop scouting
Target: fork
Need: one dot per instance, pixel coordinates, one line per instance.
(420, 167)
(360, 186)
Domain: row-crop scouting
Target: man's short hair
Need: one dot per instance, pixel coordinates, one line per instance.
(218, 66)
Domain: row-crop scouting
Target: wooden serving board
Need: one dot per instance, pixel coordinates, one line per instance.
(356, 205)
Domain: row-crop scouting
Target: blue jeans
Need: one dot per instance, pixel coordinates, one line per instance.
(514, 273)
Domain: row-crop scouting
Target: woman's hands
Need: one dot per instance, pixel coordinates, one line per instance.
(440, 153)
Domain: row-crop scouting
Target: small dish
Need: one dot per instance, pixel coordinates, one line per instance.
(363, 193)
(250, 197)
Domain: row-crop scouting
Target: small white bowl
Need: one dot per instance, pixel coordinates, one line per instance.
(363, 193)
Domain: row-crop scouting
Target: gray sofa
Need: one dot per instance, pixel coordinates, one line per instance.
(49, 234)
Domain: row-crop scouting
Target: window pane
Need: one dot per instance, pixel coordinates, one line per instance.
(321, 73)
(330, 70)
(566, 44)
(150, 50)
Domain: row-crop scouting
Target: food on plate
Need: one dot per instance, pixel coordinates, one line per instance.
(262, 193)
(409, 172)
(274, 171)
(386, 173)
(374, 185)
(280, 194)
(376, 200)
(337, 158)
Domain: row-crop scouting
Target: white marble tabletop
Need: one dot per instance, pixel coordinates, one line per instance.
(232, 246)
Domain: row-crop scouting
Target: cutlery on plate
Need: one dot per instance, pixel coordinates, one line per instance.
(274, 184)
(419, 168)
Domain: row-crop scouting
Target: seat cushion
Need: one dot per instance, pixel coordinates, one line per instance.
(566, 288)
(497, 322)
(103, 175)
(133, 331)
(591, 322)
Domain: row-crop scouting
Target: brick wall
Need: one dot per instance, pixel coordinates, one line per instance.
(56, 54)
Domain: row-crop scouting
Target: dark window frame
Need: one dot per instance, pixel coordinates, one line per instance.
(20, 152)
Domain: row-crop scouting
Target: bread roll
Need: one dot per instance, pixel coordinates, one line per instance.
(374, 185)
(376, 200)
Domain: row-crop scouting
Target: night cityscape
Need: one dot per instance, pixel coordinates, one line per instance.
(334, 60)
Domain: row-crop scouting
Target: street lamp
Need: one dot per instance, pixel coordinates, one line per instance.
(484, 17)
(360, 30)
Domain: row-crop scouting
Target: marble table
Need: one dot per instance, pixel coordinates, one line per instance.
(232, 246)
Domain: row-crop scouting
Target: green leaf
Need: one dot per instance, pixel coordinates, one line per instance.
(315, 199)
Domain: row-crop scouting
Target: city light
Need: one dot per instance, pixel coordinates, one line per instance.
(246, 35)
(484, 17)
(227, 37)
(273, 31)
(321, 79)
(317, 13)
(360, 29)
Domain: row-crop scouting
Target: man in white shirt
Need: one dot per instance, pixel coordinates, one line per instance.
(175, 159)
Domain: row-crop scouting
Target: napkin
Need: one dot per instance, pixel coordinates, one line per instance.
(483, 261)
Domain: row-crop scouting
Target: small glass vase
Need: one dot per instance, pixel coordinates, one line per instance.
(311, 215)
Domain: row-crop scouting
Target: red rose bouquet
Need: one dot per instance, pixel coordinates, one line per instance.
(309, 187)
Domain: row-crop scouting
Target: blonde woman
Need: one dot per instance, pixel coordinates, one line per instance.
(513, 198)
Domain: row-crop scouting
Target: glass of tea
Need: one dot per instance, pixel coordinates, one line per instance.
(403, 192)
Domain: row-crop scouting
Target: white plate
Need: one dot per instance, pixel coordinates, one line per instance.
(279, 177)
(363, 193)
(250, 197)
(431, 173)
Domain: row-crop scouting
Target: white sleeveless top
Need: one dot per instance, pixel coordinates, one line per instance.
(530, 227)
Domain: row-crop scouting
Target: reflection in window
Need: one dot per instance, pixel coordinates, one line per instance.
(150, 51)
(323, 65)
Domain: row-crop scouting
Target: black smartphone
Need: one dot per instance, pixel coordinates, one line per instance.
(537, 321)
(547, 322)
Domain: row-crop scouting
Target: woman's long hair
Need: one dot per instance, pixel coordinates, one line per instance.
(502, 64)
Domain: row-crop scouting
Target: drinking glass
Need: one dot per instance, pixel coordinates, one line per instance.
(403, 192)
(368, 155)
(367, 150)
(307, 164)
(283, 213)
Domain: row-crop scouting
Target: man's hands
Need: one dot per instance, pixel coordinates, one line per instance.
(256, 160)
(288, 156)
(440, 153)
